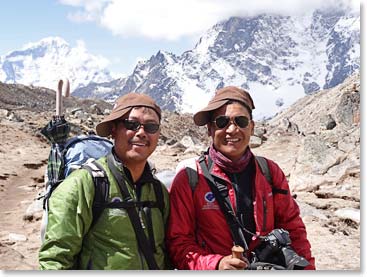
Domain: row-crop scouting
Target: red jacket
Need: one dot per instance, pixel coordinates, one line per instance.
(198, 235)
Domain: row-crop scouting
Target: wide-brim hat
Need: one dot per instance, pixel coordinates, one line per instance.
(122, 106)
(221, 97)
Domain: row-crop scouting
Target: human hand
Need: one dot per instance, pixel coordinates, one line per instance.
(230, 263)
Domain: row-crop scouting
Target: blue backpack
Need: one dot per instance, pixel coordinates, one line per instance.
(79, 149)
(64, 159)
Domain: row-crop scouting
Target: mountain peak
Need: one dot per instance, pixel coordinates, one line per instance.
(47, 42)
(44, 62)
(278, 58)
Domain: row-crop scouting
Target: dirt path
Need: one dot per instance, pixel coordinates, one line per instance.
(22, 161)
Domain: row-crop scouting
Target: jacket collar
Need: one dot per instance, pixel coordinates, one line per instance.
(146, 177)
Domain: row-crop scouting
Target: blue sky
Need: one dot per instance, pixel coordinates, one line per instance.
(125, 31)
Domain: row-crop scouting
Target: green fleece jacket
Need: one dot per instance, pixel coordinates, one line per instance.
(71, 242)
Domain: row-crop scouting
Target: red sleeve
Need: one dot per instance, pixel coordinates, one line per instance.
(184, 251)
(287, 216)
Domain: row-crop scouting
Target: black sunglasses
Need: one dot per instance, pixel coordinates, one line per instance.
(222, 121)
(134, 125)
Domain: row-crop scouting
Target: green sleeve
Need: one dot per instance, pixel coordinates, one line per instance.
(69, 218)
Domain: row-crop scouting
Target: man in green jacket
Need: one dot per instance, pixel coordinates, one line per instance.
(71, 241)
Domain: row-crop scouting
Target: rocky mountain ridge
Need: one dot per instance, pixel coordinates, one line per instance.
(278, 58)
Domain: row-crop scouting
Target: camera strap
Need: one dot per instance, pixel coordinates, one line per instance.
(220, 192)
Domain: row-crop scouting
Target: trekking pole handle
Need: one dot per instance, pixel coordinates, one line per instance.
(63, 89)
(66, 88)
(237, 251)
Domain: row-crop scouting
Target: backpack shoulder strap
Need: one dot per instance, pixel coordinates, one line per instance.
(101, 186)
(158, 191)
(192, 175)
(143, 242)
(261, 161)
(191, 171)
(157, 186)
(264, 167)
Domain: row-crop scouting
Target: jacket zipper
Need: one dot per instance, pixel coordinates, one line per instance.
(203, 244)
(136, 195)
(235, 189)
(265, 211)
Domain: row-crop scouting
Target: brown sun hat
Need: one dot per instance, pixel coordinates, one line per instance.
(221, 97)
(122, 106)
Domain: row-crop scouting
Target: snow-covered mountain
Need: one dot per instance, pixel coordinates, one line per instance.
(43, 63)
(277, 58)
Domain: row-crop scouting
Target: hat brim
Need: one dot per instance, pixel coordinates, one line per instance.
(203, 117)
(104, 128)
(220, 98)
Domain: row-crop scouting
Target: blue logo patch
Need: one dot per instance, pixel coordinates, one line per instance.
(209, 197)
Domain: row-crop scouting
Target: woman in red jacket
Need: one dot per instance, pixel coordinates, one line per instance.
(198, 235)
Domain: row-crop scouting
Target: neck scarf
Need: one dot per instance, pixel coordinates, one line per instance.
(227, 164)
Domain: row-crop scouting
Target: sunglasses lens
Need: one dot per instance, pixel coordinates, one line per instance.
(241, 121)
(221, 121)
(151, 128)
(131, 124)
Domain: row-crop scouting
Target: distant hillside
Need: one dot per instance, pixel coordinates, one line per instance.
(85, 114)
(40, 99)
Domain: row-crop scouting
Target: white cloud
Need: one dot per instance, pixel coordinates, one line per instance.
(90, 10)
(174, 19)
(81, 52)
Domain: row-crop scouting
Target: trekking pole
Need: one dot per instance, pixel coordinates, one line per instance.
(63, 89)
(237, 252)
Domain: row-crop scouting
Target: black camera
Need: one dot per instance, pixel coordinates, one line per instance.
(275, 250)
